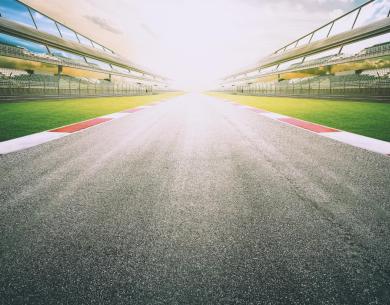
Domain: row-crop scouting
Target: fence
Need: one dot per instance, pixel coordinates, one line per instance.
(348, 86)
(47, 85)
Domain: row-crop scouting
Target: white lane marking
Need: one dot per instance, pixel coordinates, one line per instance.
(367, 143)
(273, 115)
(29, 141)
(116, 115)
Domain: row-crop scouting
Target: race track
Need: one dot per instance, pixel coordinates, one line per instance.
(194, 201)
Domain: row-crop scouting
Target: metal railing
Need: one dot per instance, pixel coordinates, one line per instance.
(47, 85)
(355, 16)
(321, 86)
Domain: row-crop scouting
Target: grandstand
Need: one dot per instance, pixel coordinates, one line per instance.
(347, 57)
(42, 57)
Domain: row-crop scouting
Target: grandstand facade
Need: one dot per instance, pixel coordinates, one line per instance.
(347, 57)
(42, 57)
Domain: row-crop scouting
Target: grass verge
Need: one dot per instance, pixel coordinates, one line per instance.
(371, 119)
(26, 117)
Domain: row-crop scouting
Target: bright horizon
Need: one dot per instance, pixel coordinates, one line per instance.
(194, 43)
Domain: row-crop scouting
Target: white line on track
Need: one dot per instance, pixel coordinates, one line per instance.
(116, 115)
(273, 115)
(378, 146)
(29, 141)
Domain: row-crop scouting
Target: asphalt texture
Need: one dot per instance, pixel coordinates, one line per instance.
(194, 201)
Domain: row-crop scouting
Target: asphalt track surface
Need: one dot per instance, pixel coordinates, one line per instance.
(194, 201)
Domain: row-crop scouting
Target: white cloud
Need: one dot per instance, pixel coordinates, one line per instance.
(335, 13)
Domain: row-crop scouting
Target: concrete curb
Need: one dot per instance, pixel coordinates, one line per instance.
(367, 143)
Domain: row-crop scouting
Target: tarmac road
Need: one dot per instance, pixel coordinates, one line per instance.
(194, 201)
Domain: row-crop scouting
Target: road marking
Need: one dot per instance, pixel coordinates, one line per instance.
(275, 116)
(307, 125)
(378, 146)
(29, 141)
(82, 125)
(116, 115)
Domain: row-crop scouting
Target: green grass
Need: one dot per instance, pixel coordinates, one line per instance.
(366, 118)
(26, 117)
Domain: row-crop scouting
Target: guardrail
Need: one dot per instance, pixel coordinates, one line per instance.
(36, 85)
(323, 86)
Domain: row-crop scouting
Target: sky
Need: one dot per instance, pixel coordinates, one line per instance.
(194, 42)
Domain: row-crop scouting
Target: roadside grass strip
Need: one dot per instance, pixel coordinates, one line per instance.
(367, 143)
(57, 133)
(26, 117)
